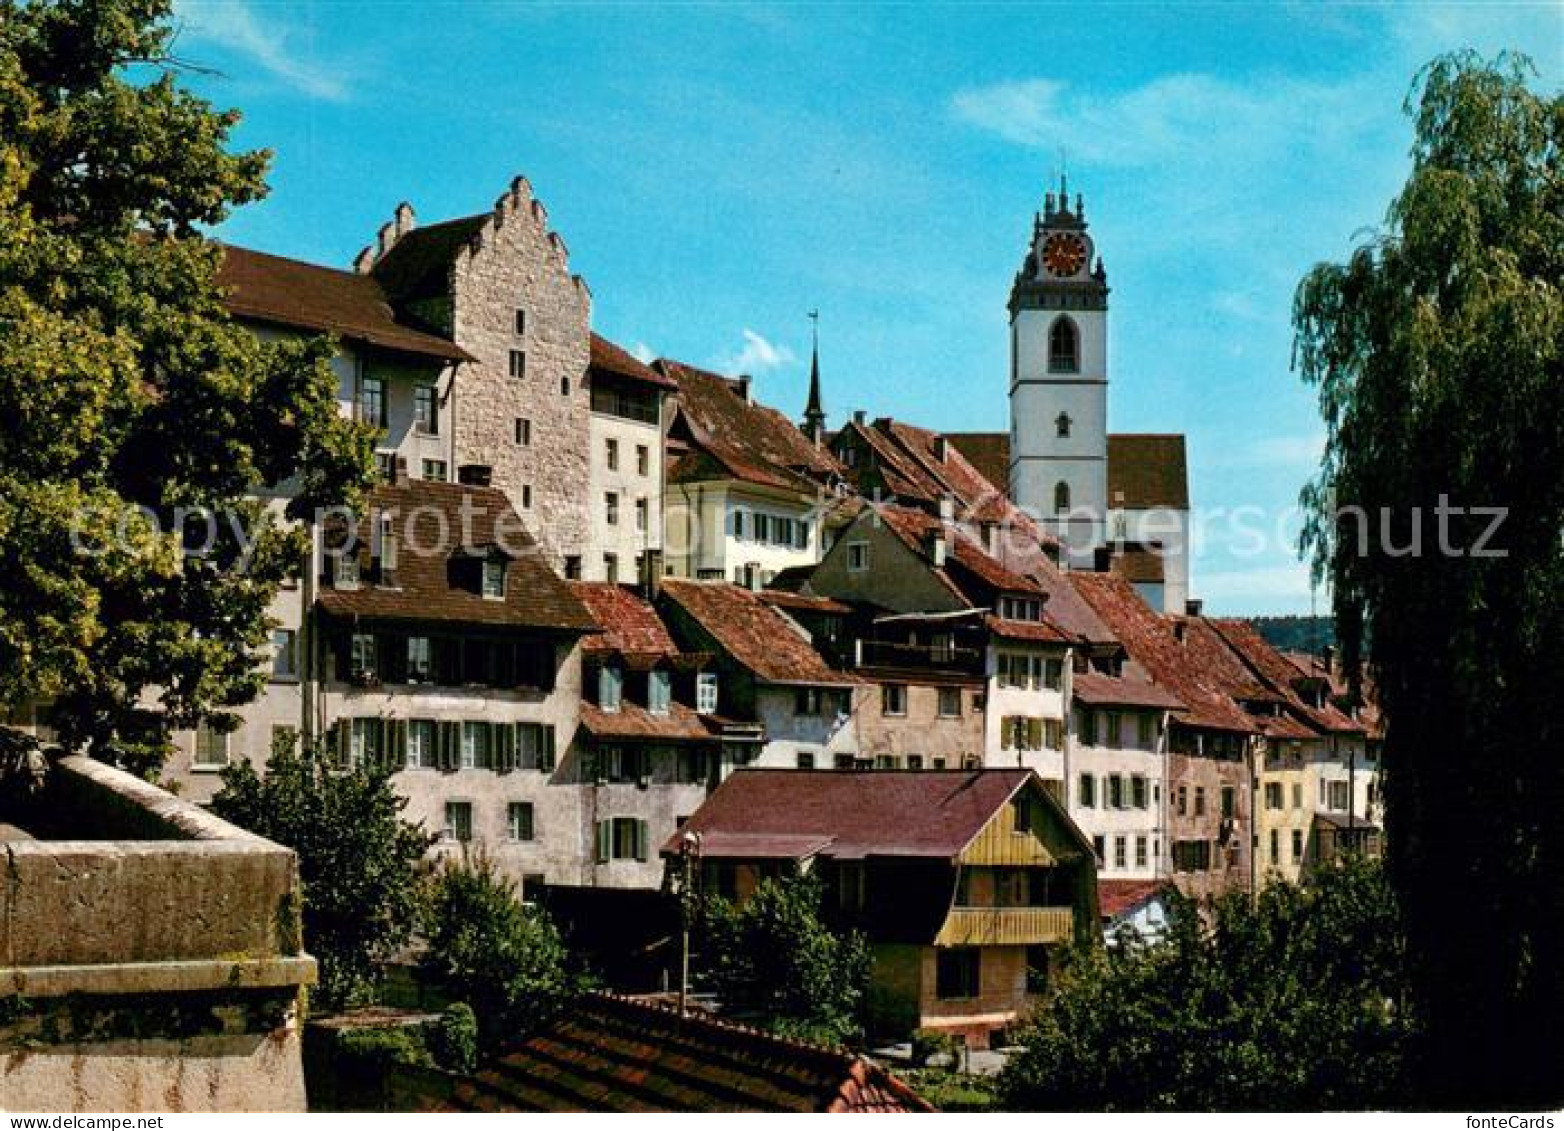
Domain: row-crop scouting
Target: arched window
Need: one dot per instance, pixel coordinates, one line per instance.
(1063, 424)
(1061, 497)
(1064, 346)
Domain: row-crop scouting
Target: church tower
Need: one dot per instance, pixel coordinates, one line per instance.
(1059, 379)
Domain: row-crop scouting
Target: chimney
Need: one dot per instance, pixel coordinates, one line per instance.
(860, 417)
(1193, 606)
(1178, 631)
(743, 380)
(941, 448)
(937, 548)
(947, 509)
(1328, 654)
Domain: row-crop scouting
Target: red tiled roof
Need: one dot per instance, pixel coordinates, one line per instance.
(753, 633)
(609, 358)
(306, 296)
(1102, 690)
(1150, 641)
(739, 438)
(1038, 632)
(535, 596)
(1140, 565)
(630, 625)
(1115, 897)
(786, 599)
(965, 563)
(1146, 471)
(850, 815)
(633, 721)
(612, 1054)
(1280, 674)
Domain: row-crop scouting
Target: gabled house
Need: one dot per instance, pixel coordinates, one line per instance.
(643, 755)
(1208, 787)
(965, 883)
(747, 492)
(442, 645)
(1315, 784)
(778, 701)
(944, 613)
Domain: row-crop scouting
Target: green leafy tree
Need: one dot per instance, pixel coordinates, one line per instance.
(1290, 1002)
(128, 398)
(505, 958)
(775, 957)
(360, 863)
(1436, 349)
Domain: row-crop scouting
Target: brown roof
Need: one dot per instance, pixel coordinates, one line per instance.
(969, 569)
(849, 814)
(1098, 689)
(1140, 565)
(785, 599)
(989, 452)
(1146, 471)
(754, 634)
(535, 596)
(419, 263)
(1280, 674)
(613, 1054)
(633, 721)
(739, 438)
(609, 358)
(1150, 641)
(1038, 632)
(1115, 897)
(306, 296)
(630, 625)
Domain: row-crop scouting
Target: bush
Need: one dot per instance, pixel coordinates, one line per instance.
(1291, 1002)
(487, 948)
(773, 956)
(928, 1044)
(453, 1039)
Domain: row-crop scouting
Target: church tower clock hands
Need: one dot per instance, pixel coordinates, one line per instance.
(1059, 379)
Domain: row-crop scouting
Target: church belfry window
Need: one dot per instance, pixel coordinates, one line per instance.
(1064, 346)
(1061, 497)
(1062, 424)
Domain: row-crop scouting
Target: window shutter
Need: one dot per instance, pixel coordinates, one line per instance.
(642, 840)
(396, 751)
(505, 747)
(391, 656)
(603, 845)
(448, 745)
(341, 736)
(1034, 734)
(546, 751)
(342, 650)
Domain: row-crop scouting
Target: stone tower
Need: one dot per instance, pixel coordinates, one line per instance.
(1059, 379)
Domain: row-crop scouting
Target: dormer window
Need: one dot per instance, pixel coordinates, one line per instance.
(494, 578)
(610, 687)
(345, 571)
(1064, 346)
(659, 692)
(706, 693)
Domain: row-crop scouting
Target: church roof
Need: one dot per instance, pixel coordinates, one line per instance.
(1145, 470)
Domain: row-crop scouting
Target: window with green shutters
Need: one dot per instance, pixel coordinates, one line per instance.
(623, 838)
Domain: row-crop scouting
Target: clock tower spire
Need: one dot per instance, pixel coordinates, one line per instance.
(1059, 378)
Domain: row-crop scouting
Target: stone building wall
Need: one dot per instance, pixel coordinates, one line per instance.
(516, 263)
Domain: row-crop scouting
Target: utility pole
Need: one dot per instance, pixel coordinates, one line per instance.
(689, 850)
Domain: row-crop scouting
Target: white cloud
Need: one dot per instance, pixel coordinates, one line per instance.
(757, 356)
(235, 26)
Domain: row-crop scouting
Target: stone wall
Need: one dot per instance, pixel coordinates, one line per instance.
(516, 263)
(160, 971)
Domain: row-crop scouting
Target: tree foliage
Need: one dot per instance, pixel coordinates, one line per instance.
(1436, 349)
(359, 861)
(775, 957)
(1290, 1002)
(504, 958)
(127, 393)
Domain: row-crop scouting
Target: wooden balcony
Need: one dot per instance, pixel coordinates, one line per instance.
(1007, 926)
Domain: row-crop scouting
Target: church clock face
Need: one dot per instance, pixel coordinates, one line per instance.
(1064, 254)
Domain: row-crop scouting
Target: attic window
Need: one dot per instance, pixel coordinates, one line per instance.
(494, 578)
(610, 687)
(857, 556)
(659, 692)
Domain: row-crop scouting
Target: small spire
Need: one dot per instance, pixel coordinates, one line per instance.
(814, 411)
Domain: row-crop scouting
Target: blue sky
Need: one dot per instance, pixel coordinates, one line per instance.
(717, 172)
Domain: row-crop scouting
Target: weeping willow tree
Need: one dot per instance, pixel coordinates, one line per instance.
(1436, 521)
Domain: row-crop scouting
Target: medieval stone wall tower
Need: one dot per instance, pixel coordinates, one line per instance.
(1059, 379)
